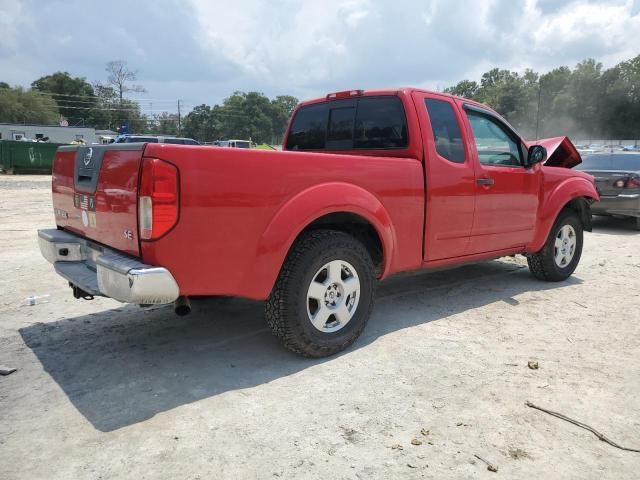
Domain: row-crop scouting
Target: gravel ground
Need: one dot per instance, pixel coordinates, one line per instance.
(105, 390)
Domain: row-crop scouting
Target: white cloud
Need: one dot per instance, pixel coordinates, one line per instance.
(203, 50)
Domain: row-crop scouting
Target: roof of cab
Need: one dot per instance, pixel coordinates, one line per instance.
(386, 91)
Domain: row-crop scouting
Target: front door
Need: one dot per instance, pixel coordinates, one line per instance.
(450, 177)
(507, 193)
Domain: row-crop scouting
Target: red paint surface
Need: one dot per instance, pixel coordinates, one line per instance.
(116, 199)
(241, 210)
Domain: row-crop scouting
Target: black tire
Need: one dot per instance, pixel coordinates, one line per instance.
(543, 265)
(637, 223)
(286, 309)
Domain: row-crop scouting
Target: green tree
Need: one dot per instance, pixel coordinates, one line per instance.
(584, 89)
(620, 106)
(281, 108)
(243, 115)
(75, 97)
(465, 88)
(22, 106)
(247, 116)
(204, 123)
(116, 113)
(164, 123)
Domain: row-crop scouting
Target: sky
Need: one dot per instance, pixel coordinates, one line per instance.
(201, 51)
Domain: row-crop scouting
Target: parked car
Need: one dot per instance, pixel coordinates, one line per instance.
(155, 139)
(370, 183)
(617, 176)
(233, 143)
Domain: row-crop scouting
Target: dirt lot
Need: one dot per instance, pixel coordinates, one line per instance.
(105, 390)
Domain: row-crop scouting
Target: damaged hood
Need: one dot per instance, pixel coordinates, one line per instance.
(560, 152)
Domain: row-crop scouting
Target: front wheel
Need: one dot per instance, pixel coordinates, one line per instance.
(561, 253)
(324, 294)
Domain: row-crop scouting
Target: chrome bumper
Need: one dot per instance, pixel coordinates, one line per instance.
(103, 272)
(623, 204)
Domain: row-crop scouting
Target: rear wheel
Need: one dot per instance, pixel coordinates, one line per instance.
(561, 253)
(324, 294)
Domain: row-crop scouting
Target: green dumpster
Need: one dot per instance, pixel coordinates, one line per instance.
(26, 157)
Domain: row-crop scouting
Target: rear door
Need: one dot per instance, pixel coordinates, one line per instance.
(450, 178)
(507, 193)
(95, 193)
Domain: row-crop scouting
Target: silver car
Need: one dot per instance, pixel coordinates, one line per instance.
(617, 177)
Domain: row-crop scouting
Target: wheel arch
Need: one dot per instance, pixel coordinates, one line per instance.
(577, 194)
(337, 206)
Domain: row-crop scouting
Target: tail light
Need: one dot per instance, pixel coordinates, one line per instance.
(633, 182)
(629, 182)
(345, 94)
(158, 198)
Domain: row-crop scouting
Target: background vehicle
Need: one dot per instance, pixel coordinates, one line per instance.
(617, 176)
(370, 183)
(233, 143)
(155, 139)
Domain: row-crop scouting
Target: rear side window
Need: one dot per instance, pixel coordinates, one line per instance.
(446, 130)
(309, 128)
(363, 123)
(176, 141)
(380, 123)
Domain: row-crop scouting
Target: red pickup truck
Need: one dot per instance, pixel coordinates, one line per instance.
(370, 183)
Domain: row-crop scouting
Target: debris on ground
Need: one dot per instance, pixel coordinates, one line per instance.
(490, 466)
(415, 441)
(533, 365)
(32, 300)
(424, 431)
(600, 436)
(6, 370)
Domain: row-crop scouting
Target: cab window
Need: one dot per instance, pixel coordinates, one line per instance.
(446, 130)
(495, 146)
(350, 124)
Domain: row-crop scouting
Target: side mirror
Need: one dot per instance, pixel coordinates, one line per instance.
(537, 154)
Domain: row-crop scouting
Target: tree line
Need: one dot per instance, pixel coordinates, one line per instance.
(61, 98)
(584, 102)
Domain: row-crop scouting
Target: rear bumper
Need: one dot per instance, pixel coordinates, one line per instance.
(103, 272)
(623, 204)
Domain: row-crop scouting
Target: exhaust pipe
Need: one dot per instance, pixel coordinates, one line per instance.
(182, 306)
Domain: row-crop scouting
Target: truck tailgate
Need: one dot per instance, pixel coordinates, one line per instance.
(95, 192)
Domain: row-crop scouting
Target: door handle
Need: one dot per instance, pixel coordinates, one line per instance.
(485, 181)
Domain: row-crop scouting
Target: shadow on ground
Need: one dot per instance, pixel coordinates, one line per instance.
(615, 225)
(122, 366)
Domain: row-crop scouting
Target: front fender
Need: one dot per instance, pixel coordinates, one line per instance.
(553, 203)
(303, 209)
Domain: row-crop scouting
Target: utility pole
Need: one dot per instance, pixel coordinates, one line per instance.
(538, 109)
(179, 123)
